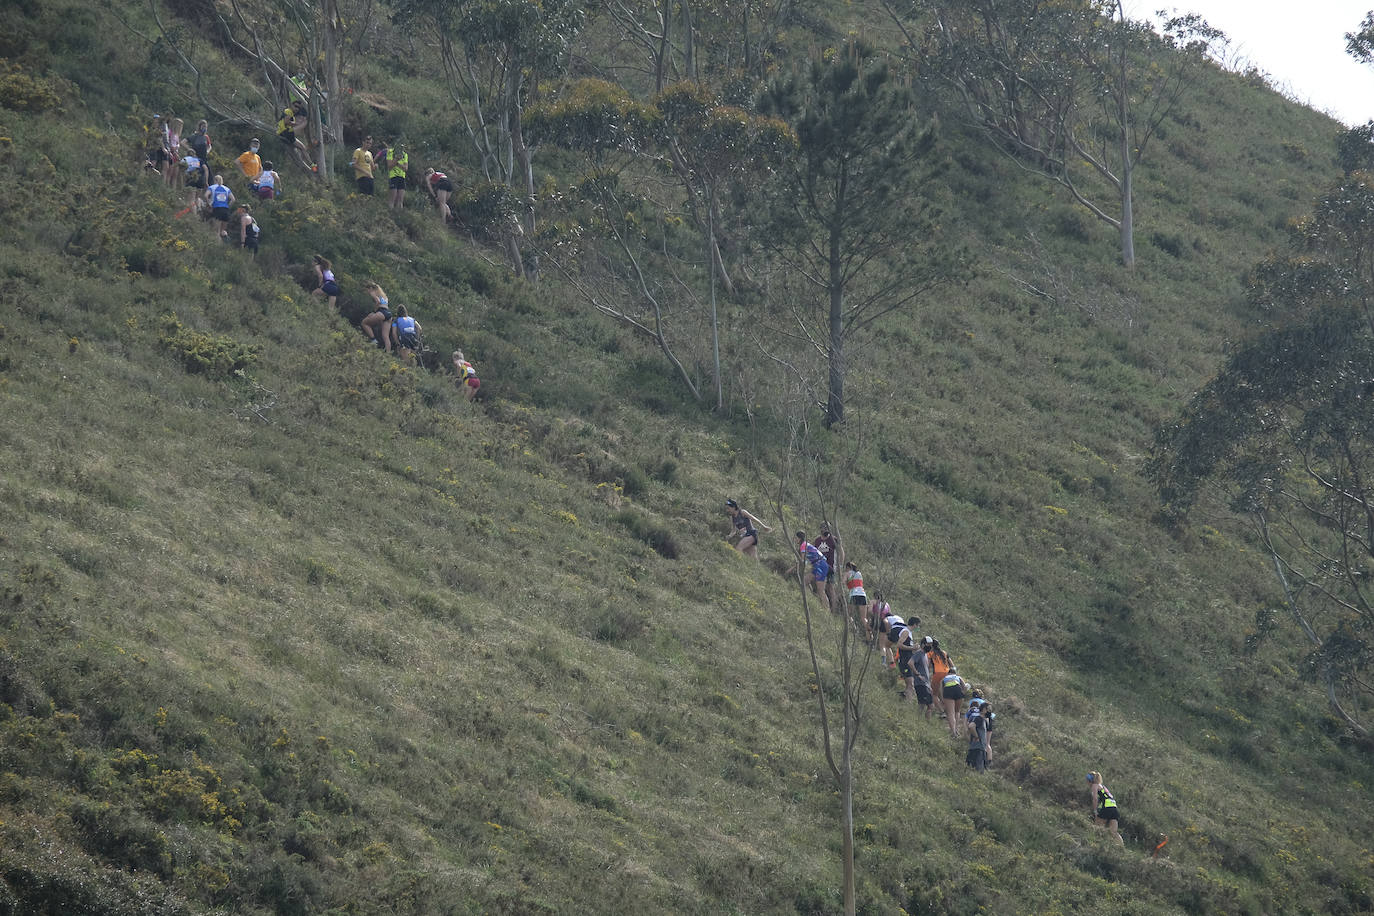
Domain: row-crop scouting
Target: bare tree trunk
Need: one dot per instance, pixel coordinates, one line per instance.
(847, 778)
(334, 98)
(689, 45)
(834, 402)
(1123, 114)
(1291, 600)
(665, 46)
(322, 157)
(517, 259)
(715, 321)
(526, 165)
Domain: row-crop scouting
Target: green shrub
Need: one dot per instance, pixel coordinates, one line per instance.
(21, 92)
(489, 211)
(656, 534)
(216, 356)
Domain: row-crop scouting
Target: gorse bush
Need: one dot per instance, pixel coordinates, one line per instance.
(217, 356)
(656, 534)
(21, 91)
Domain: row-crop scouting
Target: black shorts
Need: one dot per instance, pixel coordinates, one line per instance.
(1109, 814)
(444, 185)
(904, 663)
(287, 137)
(383, 311)
(365, 184)
(977, 758)
(251, 244)
(858, 599)
(396, 182)
(953, 692)
(410, 341)
(923, 695)
(329, 288)
(221, 214)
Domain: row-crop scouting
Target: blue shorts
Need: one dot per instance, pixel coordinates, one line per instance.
(820, 570)
(330, 288)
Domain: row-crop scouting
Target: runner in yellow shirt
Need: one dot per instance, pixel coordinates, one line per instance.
(286, 133)
(362, 167)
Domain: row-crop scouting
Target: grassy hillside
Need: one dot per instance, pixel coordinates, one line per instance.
(313, 635)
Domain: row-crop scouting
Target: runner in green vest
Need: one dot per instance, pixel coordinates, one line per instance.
(1105, 812)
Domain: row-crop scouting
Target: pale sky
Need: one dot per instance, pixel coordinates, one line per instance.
(1300, 45)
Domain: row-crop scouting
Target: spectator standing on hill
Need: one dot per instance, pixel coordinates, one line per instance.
(250, 163)
(249, 233)
(405, 333)
(377, 325)
(172, 175)
(829, 546)
(286, 133)
(1105, 811)
(467, 376)
(220, 199)
(439, 188)
(362, 167)
(269, 182)
(326, 284)
(397, 164)
(818, 570)
(746, 529)
(979, 735)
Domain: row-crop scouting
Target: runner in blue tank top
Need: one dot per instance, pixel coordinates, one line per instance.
(220, 199)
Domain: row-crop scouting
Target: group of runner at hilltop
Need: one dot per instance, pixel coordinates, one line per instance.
(185, 162)
(927, 672)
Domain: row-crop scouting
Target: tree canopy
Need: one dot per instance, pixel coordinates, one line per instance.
(1286, 432)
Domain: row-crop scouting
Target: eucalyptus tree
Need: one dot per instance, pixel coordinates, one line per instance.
(689, 132)
(611, 131)
(710, 146)
(655, 43)
(1285, 432)
(291, 44)
(1072, 90)
(1355, 146)
(854, 213)
(494, 53)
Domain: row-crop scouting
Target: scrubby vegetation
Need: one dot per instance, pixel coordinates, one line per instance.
(287, 626)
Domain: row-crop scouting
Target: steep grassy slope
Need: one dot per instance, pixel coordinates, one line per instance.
(321, 637)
